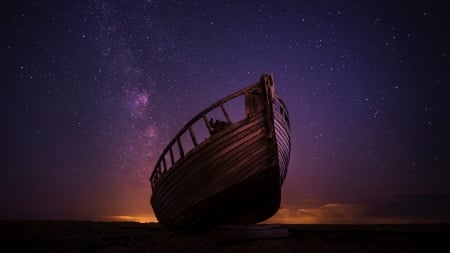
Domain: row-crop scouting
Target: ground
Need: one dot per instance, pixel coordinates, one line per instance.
(87, 236)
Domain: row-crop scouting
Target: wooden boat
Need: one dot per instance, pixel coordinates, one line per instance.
(233, 176)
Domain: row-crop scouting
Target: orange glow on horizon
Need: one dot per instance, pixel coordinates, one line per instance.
(332, 213)
(130, 218)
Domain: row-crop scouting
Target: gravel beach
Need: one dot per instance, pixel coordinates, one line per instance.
(88, 236)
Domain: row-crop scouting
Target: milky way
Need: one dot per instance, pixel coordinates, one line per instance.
(92, 91)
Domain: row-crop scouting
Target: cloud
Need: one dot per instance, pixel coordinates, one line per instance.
(331, 213)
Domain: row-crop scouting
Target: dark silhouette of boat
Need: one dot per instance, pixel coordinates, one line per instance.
(233, 176)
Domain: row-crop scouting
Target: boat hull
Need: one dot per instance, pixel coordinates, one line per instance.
(221, 176)
(234, 177)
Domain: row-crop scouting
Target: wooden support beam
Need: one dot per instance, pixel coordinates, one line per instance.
(194, 140)
(180, 148)
(164, 163)
(225, 113)
(171, 156)
(207, 122)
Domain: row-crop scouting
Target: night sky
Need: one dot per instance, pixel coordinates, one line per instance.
(92, 91)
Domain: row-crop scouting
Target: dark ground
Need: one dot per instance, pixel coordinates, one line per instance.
(86, 236)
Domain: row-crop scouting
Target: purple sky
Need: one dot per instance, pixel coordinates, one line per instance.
(92, 91)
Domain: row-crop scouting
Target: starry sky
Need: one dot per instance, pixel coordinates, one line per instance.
(92, 91)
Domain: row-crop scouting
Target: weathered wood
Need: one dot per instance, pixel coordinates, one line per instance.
(180, 148)
(235, 175)
(171, 156)
(164, 164)
(194, 140)
(205, 119)
(225, 113)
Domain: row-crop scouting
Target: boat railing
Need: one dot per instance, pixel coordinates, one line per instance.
(176, 144)
(168, 153)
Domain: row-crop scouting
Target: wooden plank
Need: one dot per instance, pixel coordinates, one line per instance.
(194, 140)
(205, 119)
(164, 163)
(171, 156)
(180, 148)
(225, 113)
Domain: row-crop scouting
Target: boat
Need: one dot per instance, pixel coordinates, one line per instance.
(234, 175)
